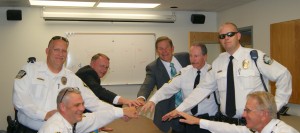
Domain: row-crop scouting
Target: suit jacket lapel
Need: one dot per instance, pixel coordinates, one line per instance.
(162, 70)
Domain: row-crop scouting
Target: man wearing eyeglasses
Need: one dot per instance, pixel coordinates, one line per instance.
(37, 84)
(70, 117)
(260, 114)
(235, 73)
(91, 75)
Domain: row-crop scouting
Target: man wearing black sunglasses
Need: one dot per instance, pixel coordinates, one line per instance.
(236, 73)
(37, 84)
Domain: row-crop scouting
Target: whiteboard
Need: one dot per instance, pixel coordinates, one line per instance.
(129, 54)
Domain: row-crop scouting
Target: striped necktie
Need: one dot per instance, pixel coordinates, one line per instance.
(178, 95)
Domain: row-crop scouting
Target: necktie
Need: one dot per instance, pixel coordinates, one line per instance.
(178, 95)
(197, 80)
(74, 128)
(230, 97)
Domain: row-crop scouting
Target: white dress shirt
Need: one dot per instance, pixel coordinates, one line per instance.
(35, 93)
(246, 80)
(274, 126)
(176, 65)
(90, 122)
(185, 82)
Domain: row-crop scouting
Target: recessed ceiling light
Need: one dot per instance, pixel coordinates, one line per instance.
(127, 5)
(61, 3)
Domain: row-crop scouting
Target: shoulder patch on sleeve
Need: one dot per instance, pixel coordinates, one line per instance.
(209, 69)
(21, 74)
(267, 60)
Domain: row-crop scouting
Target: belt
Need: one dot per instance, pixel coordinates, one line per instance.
(205, 116)
(223, 118)
(24, 129)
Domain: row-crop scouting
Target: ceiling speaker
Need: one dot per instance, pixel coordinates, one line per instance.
(14, 15)
(197, 18)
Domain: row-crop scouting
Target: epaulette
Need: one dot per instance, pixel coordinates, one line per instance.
(209, 69)
(21, 74)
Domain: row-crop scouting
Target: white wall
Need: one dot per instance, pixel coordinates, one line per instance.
(29, 37)
(260, 14)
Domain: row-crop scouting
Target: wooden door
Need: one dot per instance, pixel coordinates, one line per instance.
(285, 48)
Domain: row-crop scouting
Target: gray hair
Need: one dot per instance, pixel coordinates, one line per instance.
(266, 101)
(63, 95)
(202, 46)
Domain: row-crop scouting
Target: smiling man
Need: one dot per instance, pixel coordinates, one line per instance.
(185, 81)
(37, 84)
(70, 117)
(260, 114)
(91, 75)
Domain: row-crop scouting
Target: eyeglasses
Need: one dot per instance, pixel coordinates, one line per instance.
(67, 90)
(249, 110)
(229, 34)
(60, 38)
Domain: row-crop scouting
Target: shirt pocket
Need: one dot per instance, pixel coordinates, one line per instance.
(221, 81)
(37, 88)
(249, 79)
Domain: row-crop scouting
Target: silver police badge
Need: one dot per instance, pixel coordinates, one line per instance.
(268, 60)
(64, 80)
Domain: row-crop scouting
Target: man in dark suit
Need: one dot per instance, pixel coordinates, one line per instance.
(159, 72)
(91, 74)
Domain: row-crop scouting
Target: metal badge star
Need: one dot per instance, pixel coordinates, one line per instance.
(64, 80)
(246, 64)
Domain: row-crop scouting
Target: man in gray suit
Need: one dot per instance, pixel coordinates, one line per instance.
(158, 72)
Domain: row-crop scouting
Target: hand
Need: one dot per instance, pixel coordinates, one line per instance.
(149, 105)
(170, 115)
(106, 129)
(130, 112)
(49, 114)
(130, 103)
(142, 100)
(189, 119)
(126, 118)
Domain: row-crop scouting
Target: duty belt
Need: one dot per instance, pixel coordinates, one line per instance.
(223, 118)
